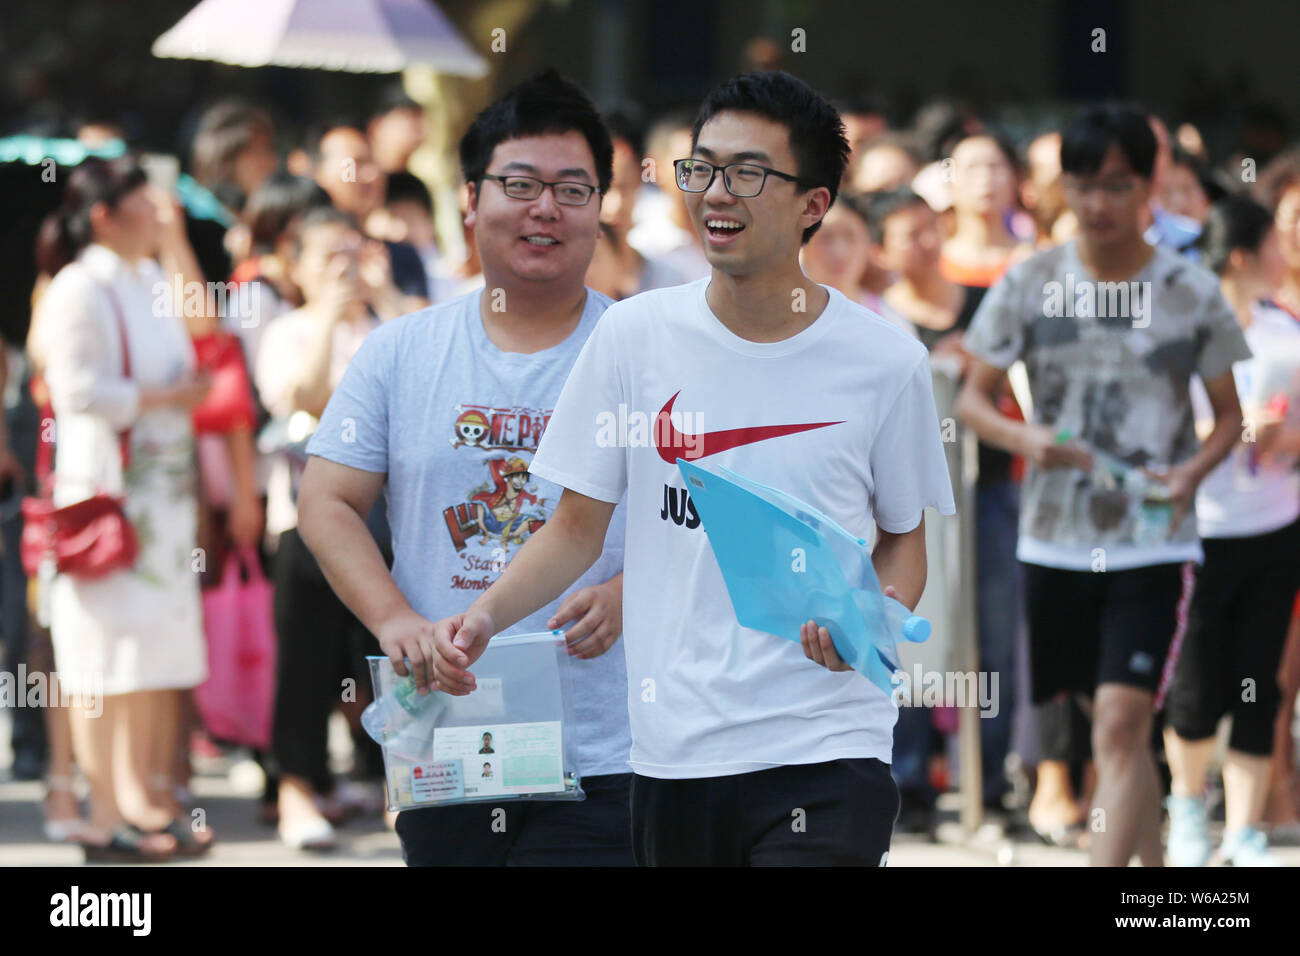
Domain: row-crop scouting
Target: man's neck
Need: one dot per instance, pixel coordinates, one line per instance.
(1115, 261)
(766, 307)
(530, 317)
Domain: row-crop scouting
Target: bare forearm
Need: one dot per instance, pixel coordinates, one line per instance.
(350, 559)
(243, 461)
(179, 262)
(545, 567)
(1226, 435)
(312, 392)
(900, 561)
(979, 412)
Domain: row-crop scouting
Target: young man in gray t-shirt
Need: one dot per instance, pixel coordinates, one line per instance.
(446, 407)
(1111, 331)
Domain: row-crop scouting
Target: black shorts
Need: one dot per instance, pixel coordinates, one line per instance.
(1235, 637)
(592, 832)
(1111, 627)
(837, 813)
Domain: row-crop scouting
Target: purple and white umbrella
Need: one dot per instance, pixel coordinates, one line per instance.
(356, 36)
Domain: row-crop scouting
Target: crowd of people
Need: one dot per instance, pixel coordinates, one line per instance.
(1135, 514)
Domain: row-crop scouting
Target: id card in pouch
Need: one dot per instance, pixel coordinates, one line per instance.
(510, 739)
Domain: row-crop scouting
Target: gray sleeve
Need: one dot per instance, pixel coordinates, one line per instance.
(997, 330)
(1223, 341)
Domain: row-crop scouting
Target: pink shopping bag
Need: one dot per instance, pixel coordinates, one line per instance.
(236, 701)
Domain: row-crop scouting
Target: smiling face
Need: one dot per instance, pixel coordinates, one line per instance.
(747, 236)
(535, 240)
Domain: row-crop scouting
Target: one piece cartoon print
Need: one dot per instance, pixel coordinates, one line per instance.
(471, 426)
(505, 508)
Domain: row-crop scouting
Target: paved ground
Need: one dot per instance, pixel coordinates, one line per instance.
(224, 791)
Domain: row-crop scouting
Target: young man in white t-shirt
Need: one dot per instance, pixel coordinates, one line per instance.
(747, 749)
(442, 410)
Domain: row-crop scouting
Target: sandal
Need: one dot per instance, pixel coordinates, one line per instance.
(1064, 836)
(124, 846)
(68, 829)
(186, 844)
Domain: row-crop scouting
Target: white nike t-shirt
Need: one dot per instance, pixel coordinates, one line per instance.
(840, 415)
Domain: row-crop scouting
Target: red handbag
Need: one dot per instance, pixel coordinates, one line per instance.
(228, 406)
(89, 538)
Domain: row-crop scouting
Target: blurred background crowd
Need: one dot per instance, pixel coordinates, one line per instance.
(310, 205)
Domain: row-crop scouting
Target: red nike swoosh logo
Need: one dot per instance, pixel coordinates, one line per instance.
(691, 447)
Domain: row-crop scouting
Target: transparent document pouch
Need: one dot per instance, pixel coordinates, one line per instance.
(510, 739)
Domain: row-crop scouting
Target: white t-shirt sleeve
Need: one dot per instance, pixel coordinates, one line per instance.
(579, 449)
(908, 468)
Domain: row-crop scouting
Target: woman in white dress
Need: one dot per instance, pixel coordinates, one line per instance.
(126, 645)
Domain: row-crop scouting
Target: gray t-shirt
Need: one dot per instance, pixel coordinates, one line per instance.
(454, 422)
(1111, 364)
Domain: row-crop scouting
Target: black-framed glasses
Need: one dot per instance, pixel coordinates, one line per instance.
(526, 187)
(743, 180)
(1109, 188)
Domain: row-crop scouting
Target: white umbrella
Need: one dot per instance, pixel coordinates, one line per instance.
(358, 36)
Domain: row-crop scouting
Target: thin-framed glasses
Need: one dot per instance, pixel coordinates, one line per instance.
(743, 180)
(1110, 188)
(526, 187)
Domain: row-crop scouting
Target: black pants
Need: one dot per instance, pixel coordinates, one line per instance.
(1235, 636)
(837, 813)
(593, 832)
(20, 644)
(321, 644)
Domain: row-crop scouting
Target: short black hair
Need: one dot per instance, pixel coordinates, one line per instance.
(547, 103)
(1210, 185)
(1234, 222)
(277, 202)
(1280, 176)
(394, 97)
(883, 203)
(1084, 141)
(625, 123)
(408, 186)
(318, 216)
(817, 138)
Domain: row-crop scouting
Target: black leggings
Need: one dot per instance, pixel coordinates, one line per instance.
(321, 644)
(1235, 635)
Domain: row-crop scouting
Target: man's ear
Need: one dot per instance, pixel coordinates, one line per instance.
(816, 204)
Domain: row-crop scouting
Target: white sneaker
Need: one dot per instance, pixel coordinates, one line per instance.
(1189, 836)
(1246, 847)
(309, 835)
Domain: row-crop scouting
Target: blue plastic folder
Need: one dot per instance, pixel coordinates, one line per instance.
(785, 563)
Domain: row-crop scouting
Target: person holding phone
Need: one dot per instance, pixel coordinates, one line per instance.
(302, 357)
